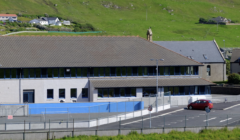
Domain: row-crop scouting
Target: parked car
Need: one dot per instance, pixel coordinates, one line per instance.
(201, 104)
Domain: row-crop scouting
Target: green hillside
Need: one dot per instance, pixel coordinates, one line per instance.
(169, 19)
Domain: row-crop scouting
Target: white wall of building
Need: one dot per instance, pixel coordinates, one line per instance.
(9, 92)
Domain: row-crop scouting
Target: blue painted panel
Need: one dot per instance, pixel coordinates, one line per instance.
(103, 107)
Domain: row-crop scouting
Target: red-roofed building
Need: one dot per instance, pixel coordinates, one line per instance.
(4, 17)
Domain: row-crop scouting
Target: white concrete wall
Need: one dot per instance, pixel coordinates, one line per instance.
(9, 92)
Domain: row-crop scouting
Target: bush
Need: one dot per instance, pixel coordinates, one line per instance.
(234, 78)
(228, 67)
(202, 20)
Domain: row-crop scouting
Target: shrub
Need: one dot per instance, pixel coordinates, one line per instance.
(234, 78)
(228, 67)
(202, 20)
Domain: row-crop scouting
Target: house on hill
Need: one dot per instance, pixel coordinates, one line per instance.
(235, 61)
(4, 17)
(220, 19)
(205, 52)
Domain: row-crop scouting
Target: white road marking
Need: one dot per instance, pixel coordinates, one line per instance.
(231, 107)
(172, 122)
(153, 117)
(225, 120)
(209, 119)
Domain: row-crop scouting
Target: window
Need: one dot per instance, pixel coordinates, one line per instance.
(202, 90)
(122, 92)
(61, 93)
(79, 74)
(50, 73)
(73, 72)
(176, 90)
(84, 72)
(129, 71)
(166, 71)
(191, 69)
(113, 71)
(160, 70)
(195, 69)
(14, 73)
(149, 92)
(128, 92)
(117, 92)
(186, 89)
(7, 73)
(196, 90)
(111, 92)
(50, 94)
(140, 71)
(61, 72)
(96, 72)
(151, 71)
(177, 71)
(118, 71)
(105, 92)
(181, 90)
(208, 70)
(187, 70)
(25, 73)
(44, 73)
(67, 72)
(182, 69)
(145, 71)
(90, 70)
(55, 72)
(85, 93)
(192, 91)
(107, 71)
(101, 71)
(124, 72)
(133, 92)
(100, 93)
(135, 71)
(171, 70)
(171, 90)
(73, 93)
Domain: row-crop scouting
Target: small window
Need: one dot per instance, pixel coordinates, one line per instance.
(84, 72)
(100, 93)
(140, 71)
(55, 73)
(7, 73)
(107, 71)
(50, 73)
(161, 70)
(44, 73)
(111, 92)
(61, 93)
(73, 93)
(135, 71)
(129, 71)
(14, 73)
(182, 69)
(50, 94)
(123, 71)
(67, 72)
(61, 72)
(85, 93)
(25, 73)
(96, 72)
(79, 74)
(101, 71)
(118, 71)
(171, 70)
(166, 71)
(208, 70)
(113, 71)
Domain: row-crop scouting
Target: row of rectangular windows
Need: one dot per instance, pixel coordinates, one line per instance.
(73, 93)
(151, 91)
(96, 72)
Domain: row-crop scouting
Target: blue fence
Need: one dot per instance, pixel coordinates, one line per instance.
(103, 107)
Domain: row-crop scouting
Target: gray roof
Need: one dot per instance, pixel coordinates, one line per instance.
(195, 50)
(52, 18)
(47, 51)
(235, 55)
(145, 82)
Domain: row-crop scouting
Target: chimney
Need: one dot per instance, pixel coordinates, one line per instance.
(149, 34)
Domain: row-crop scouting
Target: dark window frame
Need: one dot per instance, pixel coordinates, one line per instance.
(52, 93)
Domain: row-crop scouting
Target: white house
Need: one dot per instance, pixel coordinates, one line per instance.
(52, 20)
(66, 22)
(58, 23)
(39, 21)
(4, 17)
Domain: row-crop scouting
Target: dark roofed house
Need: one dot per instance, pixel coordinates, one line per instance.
(220, 19)
(99, 69)
(205, 52)
(235, 61)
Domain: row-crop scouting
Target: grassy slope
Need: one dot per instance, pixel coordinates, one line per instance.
(179, 26)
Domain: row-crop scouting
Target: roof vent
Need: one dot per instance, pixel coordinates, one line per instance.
(205, 56)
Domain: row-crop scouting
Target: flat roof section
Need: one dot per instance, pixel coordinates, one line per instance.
(112, 83)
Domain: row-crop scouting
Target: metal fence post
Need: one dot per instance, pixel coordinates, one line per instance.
(125, 110)
(163, 124)
(67, 116)
(185, 123)
(45, 115)
(49, 126)
(227, 120)
(206, 120)
(119, 130)
(141, 106)
(24, 131)
(133, 109)
(142, 125)
(73, 129)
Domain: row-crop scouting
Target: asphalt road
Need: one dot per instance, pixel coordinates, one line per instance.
(182, 117)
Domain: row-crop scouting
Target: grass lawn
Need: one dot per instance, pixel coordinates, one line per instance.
(222, 134)
(169, 19)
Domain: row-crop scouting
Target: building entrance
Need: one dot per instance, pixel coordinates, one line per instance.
(28, 96)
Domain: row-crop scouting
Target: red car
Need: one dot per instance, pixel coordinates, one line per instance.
(201, 104)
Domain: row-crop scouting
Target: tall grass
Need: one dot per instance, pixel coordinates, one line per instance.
(208, 134)
(136, 16)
